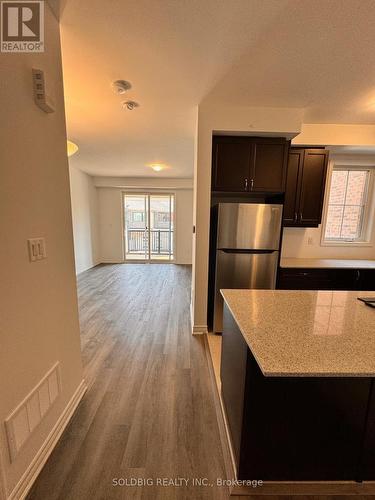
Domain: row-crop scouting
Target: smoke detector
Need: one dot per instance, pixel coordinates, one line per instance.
(121, 86)
(130, 105)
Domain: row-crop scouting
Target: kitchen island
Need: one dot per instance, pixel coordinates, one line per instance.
(297, 382)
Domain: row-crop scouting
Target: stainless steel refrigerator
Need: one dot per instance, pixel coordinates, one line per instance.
(247, 249)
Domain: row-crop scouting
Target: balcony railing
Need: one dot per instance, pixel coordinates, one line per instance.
(161, 241)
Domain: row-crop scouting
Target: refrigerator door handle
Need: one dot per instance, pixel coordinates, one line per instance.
(246, 251)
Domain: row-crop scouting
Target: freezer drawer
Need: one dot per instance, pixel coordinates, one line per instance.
(242, 270)
(249, 226)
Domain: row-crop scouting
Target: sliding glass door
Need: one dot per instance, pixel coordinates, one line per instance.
(149, 227)
(136, 227)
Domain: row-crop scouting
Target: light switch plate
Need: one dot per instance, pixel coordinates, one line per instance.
(37, 249)
(42, 100)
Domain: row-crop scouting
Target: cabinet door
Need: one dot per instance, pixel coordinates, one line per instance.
(305, 279)
(317, 279)
(312, 187)
(292, 191)
(367, 463)
(366, 279)
(269, 167)
(231, 164)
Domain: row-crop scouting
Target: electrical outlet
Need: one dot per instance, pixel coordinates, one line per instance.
(310, 240)
(37, 249)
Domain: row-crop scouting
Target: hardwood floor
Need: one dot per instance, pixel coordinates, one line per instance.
(149, 410)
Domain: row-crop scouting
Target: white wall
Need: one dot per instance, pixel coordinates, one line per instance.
(184, 225)
(296, 240)
(295, 245)
(335, 134)
(38, 301)
(110, 196)
(110, 225)
(84, 200)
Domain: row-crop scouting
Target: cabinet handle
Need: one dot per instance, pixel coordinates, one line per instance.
(295, 216)
(358, 275)
(251, 184)
(300, 216)
(246, 183)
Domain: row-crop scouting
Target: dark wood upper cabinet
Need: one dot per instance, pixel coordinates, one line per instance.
(269, 166)
(312, 186)
(246, 164)
(231, 163)
(307, 169)
(292, 191)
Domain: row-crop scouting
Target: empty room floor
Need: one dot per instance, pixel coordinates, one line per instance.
(149, 410)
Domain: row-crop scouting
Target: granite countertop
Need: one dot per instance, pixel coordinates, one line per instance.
(327, 263)
(306, 333)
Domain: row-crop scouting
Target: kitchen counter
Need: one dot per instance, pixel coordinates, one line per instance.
(298, 388)
(306, 333)
(286, 263)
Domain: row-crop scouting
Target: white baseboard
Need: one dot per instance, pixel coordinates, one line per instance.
(196, 329)
(199, 329)
(27, 480)
(94, 264)
(111, 261)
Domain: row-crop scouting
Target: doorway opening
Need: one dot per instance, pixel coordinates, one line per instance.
(149, 227)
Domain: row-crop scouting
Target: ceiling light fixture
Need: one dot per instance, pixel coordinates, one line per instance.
(157, 167)
(71, 148)
(121, 86)
(130, 105)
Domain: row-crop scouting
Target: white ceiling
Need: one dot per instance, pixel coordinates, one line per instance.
(312, 54)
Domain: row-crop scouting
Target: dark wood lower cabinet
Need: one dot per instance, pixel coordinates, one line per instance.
(367, 465)
(326, 279)
(295, 428)
(366, 279)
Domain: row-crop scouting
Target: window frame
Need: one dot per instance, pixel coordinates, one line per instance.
(367, 221)
(173, 223)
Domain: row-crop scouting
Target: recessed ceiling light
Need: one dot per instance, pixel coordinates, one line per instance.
(71, 148)
(121, 86)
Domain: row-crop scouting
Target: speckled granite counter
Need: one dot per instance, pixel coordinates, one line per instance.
(303, 333)
(327, 263)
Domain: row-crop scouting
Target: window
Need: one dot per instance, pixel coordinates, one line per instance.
(162, 217)
(138, 217)
(348, 205)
